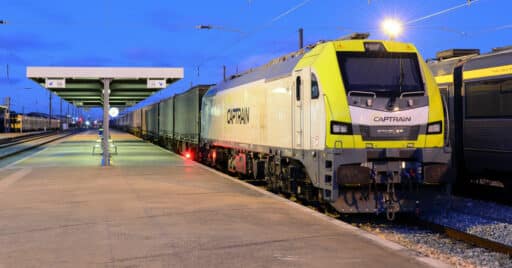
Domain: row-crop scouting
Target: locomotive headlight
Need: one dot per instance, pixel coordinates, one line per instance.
(341, 128)
(435, 128)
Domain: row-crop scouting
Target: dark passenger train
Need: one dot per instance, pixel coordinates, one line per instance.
(478, 92)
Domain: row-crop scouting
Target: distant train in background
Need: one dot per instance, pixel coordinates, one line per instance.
(477, 89)
(16, 122)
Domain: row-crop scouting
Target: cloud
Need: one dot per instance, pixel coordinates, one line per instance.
(86, 61)
(159, 57)
(24, 42)
(160, 19)
(41, 9)
(11, 81)
(256, 60)
(10, 58)
(141, 54)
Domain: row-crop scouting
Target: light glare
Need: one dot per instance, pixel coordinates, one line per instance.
(392, 27)
(114, 111)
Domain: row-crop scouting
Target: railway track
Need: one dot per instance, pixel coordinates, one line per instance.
(452, 233)
(466, 237)
(13, 146)
(409, 220)
(8, 142)
(487, 249)
(450, 245)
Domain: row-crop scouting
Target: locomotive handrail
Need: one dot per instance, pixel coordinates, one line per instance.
(328, 104)
(422, 92)
(362, 93)
(447, 121)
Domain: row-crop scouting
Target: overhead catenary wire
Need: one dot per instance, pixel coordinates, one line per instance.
(303, 3)
(248, 34)
(468, 3)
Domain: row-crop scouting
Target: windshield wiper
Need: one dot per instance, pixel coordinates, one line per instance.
(401, 78)
(398, 94)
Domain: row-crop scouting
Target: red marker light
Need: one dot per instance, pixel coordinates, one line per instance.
(187, 155)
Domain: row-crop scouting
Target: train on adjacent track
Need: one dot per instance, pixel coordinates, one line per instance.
(355, 123)
(16, 122)
(477, 89)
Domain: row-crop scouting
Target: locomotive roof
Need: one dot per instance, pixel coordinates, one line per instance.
(496, 58)
(488, 60)
(201, 88)
(444, 67)
(277, 68)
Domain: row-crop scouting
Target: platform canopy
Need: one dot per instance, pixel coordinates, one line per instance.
(82, 86)
(104, 87)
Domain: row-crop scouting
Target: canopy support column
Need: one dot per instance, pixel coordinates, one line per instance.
(106, 128)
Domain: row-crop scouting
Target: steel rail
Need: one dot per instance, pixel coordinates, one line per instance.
(466, 237)
(56, 136)
(25, 138)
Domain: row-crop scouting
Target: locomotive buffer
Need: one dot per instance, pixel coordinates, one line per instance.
(105, 87)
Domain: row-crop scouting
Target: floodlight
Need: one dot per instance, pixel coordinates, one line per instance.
(392, 27)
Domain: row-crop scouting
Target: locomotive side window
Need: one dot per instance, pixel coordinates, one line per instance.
(315, 92)
(489, 99)
(297, 88)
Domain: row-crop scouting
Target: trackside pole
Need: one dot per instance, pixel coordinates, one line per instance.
(106, 131)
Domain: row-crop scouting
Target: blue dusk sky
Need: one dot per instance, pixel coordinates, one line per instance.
(247, 33)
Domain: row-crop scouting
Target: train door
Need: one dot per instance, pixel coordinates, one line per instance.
(448, 112)
(301, 109)
(316, 115)
(457, 121)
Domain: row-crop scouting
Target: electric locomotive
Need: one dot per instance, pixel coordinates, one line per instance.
(478, 92)
(356, 123)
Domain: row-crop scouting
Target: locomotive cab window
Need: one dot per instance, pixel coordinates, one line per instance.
(383, 73)
(315, 91)
(297, 88)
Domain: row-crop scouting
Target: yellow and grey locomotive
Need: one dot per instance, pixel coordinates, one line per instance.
(353, 122)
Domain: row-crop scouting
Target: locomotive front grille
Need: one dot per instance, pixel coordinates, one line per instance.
(395, 133)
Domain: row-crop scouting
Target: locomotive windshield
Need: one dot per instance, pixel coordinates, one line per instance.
(381, 73)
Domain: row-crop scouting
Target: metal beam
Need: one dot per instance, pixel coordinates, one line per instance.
(131, 93)
(78, 93)
(106, 131)
(127, 86)
(93, 85)
(129, 97)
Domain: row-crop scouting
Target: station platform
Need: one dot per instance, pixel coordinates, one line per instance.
(153, 208)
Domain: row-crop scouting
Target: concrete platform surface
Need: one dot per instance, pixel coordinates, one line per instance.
(59, 208)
